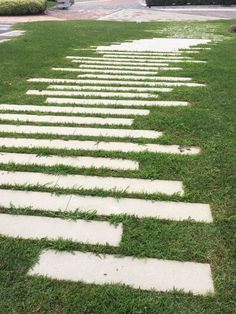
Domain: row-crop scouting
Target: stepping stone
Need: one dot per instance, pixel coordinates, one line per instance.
(128, 59)
(145, 274)
(119, 71)
(177, 211)
(78, 162)
(128, 185)
(131, 65)
(33, 227)
(149, 57)
(140, 53)
(87, 94)
(74, 110)
(133, 68)
(110, 88)
(113, 82)
(107, 102)
(58, 130)
(155, 45)
(136, 78)
(98, 146)
(64, 119)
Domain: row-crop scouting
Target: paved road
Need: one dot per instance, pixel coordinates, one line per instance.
(129, 10)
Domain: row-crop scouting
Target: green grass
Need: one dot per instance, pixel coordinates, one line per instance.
(51, 4)
(209, 177)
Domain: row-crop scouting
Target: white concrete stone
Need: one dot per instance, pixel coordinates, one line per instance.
(57, 130)
(118, 62)
(145, 274)
(111, 88)
(75, 110)
(128, 59)
(107, 102)
(96, 146)
(33, 227)
(155, 45)
(128, 185)
(125, 67)
(149, 57)
(118, 71)
(137, 78)
(65, 119)
(78, 162)
(89, 94)
(115, 82)
(107, 206)
(150, 60)
(140, 53)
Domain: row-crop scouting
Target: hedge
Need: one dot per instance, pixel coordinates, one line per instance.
(22, 7)
(192, 2)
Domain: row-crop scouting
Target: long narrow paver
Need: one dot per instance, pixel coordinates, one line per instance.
(78, 162)
(114, 82)
(125, 71)
(125, 147)
(112, 88)
(127, 59)
(136, 77)
(64, 119)
(147, 57)
(145, 274)
(117, 62)
(128, 185)
(89, 94)
(33, 227)
(78, 131)
(139, 53)
(125, 67)
(74, 110)
(115, 102)
(177, 211)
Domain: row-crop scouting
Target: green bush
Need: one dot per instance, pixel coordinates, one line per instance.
(22, 7)
(193, 2)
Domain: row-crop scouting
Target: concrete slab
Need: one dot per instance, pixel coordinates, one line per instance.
(98, 146)
(78, 162)
(177, 211)
(33, 227)
(145, 274)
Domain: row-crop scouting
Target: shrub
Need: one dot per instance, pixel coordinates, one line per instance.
(22, 7)
(193, 2)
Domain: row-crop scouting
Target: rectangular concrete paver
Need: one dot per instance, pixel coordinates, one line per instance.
(112, 88)
(65, 119)
(57, 130)
(125, 67)
(125, 147)
(74, 110)
(177, 211)
(128, 185)
(115, 82)
(33, 227)
(136, 77)
(115, 102)
(89, 94)
(145, 274)
(78, 162)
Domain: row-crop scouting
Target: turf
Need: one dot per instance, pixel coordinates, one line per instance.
(209, 177)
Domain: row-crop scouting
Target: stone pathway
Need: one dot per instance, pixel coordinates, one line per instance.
(101, 92)
(6, 32)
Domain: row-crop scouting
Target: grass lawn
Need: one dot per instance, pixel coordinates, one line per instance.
(208, 177)
(51, 4)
